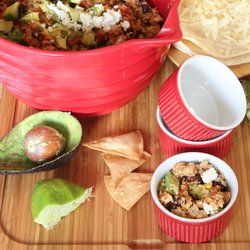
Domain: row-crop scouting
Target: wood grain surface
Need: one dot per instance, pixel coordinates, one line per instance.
(100, 223)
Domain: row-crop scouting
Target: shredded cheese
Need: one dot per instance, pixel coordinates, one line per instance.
(226, 23)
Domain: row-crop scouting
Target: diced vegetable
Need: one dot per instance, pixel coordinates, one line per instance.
(88, 38)
(61, 42)
(2, 25)
(11, 13)
(96, 10)
(6, 26)
(14, 36)
(30, 16)
(75, 1)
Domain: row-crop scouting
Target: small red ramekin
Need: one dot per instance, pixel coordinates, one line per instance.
(193, 230)
(171, 144)
(202, 99)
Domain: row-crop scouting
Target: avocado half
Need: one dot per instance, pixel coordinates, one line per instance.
(13, 159)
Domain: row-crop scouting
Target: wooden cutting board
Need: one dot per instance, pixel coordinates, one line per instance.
(100, 223)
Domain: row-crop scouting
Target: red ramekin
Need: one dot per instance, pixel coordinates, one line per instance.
(193, 230)
(171, 144)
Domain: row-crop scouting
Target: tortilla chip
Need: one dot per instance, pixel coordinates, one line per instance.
(120, 166)
(128, 145)
(130, 190)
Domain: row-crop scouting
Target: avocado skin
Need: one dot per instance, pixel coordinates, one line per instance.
(20, 163)
(48, 166)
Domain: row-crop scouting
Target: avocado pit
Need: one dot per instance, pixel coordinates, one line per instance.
(43, 143)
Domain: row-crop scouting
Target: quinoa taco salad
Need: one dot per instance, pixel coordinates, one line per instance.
(77, 25)
(194, 190)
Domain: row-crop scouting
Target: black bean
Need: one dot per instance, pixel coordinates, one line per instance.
(72, 5)
(180, 200)
(194, 196)
(184, 178)
(198, 178)
(145, 8)
(22, 9)
(169, 206)
(222, 188)
(130, 30)
(216, 183)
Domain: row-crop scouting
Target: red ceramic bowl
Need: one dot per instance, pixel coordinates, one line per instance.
(202, 99)
(193, 230)
(171, 144)
(88, 83)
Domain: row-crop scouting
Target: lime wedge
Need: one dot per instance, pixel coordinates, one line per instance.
(55, 198)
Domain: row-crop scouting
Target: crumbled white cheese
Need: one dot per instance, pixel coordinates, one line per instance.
(66, 22)
(76, 26)
(110, 18)
(50, 29)
(79, 8)
(209, 175)
(97, 21)
(208, 209)
(62, 6)
(125, 25)
(115, 14)
(62, 11)
(89, 21)
(43, 25)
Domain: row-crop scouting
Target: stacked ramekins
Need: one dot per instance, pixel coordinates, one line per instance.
(200, 104)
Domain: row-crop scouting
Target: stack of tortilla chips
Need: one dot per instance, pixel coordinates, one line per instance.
(123, 154)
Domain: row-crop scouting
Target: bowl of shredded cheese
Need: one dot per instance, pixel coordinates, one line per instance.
(94, 78)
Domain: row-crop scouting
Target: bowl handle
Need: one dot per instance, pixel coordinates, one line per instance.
(171, 31)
